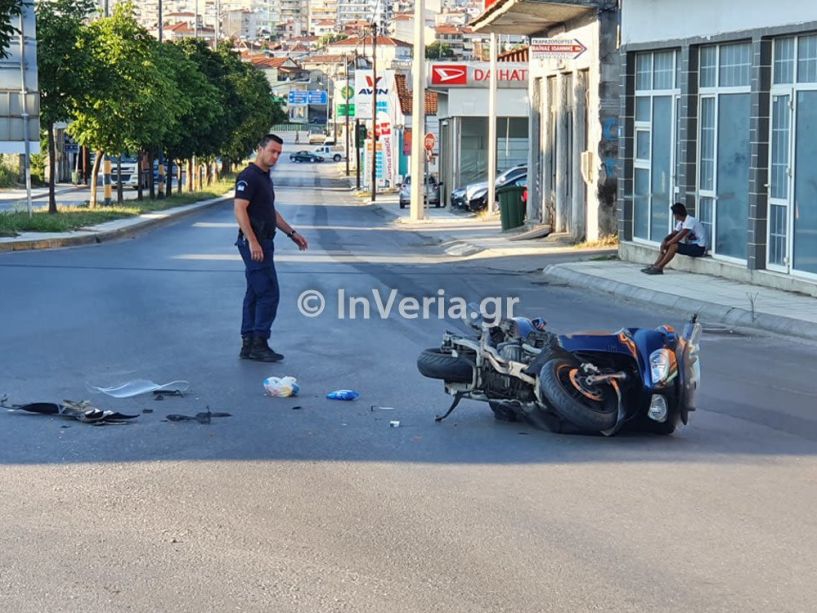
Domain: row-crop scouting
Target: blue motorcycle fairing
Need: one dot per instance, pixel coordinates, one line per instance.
(636, 343)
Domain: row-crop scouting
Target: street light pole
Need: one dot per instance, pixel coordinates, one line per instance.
(418, 111)
(492, 129)
(348, 104)
(374, 111)
(161, 19)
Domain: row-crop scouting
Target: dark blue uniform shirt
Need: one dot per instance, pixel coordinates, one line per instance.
(255, 185)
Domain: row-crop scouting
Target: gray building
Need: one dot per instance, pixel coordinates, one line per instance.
(574, 77)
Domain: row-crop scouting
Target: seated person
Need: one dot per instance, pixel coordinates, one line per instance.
(689, 238)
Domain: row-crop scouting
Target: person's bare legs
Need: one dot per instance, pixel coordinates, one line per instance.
(666, 257)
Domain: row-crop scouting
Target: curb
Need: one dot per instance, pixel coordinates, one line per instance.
(733, 316)
(98, 234)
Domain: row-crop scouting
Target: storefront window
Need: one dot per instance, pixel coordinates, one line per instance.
(655, 143)
(792, 233)
(723, 146)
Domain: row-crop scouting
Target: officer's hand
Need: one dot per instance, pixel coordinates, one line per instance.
(256, 252)
(300, 241)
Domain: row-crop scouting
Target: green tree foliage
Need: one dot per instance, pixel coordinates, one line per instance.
(438, 50)
(60, 67)
(328, 39)
(257, 110)
(131, 100)
(9, 10)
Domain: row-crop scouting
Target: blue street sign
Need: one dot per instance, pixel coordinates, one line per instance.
(298, 97)
(318, 96)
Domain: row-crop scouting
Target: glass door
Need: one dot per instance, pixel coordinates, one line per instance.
(780, 183)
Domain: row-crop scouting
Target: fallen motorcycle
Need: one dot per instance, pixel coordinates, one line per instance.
(636, 378)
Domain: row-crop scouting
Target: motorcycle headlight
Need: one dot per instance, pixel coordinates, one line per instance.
(662, 362)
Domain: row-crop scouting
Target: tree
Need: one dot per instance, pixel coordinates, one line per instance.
(132, 101)
(438, 50)
(59, 67)
(328, 39)
(256, 109)
(9, 10)
(205, 126)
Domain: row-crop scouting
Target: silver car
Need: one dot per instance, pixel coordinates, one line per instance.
(432, 192)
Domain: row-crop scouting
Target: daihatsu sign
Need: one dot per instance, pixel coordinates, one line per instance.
(477, 74)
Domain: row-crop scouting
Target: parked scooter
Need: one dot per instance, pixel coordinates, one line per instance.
(636, 378)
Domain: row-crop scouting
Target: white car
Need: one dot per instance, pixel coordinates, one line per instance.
(334, 152)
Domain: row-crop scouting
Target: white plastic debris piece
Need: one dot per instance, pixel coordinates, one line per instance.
(139, 386)
(394, 424)
(281, 387)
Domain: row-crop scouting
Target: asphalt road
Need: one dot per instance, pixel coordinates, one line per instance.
(308, 504)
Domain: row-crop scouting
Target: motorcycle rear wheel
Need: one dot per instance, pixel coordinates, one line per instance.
(435, 364)
(557, 383)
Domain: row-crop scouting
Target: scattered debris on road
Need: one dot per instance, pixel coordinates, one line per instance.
(281, 387)
(82, 412)
(204, 417)
(394, 424)
(374, 408)
(142, 386)
(342, 395)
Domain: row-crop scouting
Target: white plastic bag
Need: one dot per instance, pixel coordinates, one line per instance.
(281, 387)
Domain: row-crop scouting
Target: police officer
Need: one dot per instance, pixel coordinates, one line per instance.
(258, 220)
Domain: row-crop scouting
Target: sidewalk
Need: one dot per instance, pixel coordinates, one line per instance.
(106, 231)
(715, 299)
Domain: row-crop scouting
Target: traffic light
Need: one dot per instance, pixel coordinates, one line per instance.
(362, 135)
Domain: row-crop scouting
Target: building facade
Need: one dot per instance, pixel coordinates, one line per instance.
(574, 110)
(720, 113)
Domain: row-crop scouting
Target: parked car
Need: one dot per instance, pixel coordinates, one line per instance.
(480, 199)
(305, 156)
(463, 196)
(336, 152)
(432, 192)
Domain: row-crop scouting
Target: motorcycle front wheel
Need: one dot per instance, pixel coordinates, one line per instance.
(590, 408)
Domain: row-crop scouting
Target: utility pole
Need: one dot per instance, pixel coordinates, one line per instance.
(492, 130)
(161, 20)
(418, 111)
(374, 110)
(348, 106)
(24, 114)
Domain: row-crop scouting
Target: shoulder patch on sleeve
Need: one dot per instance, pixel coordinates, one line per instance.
(241, 186)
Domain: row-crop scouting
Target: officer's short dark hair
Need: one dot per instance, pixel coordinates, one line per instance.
(270, 137)
(679, 209)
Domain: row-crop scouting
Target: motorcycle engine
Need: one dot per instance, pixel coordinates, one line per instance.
(511, 351)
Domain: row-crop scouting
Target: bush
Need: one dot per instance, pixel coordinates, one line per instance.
(8, 170)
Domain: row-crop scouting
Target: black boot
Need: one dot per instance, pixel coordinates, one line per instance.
(246, 346)
(261, 352)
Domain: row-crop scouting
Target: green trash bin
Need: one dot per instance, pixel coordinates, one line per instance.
(511, 206)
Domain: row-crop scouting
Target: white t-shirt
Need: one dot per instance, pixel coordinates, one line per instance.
(697, 233)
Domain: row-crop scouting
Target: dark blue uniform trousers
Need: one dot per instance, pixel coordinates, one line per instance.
(262, 296)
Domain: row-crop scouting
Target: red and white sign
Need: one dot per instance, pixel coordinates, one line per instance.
(449, 74)
(478, 74)
(429, 141)
(555, 48)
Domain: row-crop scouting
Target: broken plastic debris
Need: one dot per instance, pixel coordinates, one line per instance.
(394, 424)
(342, 395)
(81, 411)
(140, 386)
(374, 407)
(281, 387)
(202, 418)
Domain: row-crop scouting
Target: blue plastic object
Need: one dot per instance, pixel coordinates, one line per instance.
(342, 395)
